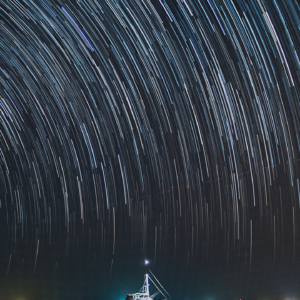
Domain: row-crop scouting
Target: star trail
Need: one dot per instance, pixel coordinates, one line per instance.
(171, 126)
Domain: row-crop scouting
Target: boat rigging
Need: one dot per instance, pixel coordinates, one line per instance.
(144, 293)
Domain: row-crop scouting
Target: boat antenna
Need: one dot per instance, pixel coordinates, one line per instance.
(146, 264)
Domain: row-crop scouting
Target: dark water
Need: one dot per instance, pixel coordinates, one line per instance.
(87, 273)
(214, 283)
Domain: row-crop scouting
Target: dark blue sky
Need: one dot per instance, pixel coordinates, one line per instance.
(166, 130)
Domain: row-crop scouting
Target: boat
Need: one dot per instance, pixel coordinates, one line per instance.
(144, 293)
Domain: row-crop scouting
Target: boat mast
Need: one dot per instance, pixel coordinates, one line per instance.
(144, 293)
(146, 283)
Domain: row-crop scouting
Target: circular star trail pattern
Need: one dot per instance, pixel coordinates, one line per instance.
(174, 122)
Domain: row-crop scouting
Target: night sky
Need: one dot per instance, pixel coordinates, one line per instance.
(166, 130)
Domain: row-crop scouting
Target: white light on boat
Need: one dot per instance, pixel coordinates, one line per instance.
(146, 262)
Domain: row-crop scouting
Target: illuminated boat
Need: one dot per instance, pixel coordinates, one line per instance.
(144, 293)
